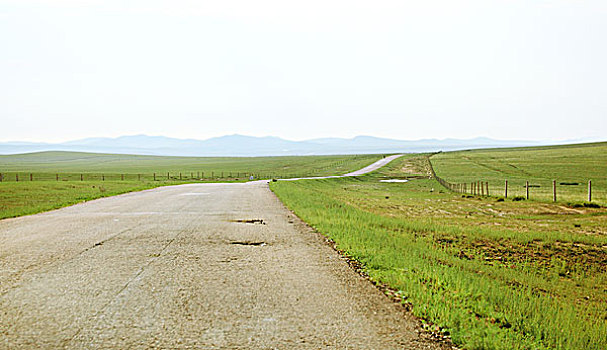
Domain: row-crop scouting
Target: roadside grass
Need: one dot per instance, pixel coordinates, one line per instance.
(24, 198)
(490, 274)
(571, 166)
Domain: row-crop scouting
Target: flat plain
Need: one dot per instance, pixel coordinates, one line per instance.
(65, 178)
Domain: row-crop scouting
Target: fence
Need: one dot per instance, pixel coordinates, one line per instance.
(541, 189)
(159, 176)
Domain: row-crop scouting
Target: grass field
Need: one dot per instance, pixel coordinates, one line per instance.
(23, 198)
(69, 165)
(102, 175)
(571, 166)
(490, 274)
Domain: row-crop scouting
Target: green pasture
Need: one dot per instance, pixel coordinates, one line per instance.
(50, 180)
(23, 198)
(489, 274)
(571, 166)
(94, 166)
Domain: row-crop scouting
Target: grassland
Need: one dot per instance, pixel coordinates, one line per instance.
(571, 166)
(23, 198)
(57, 175)
(489, 274)
(69, 165)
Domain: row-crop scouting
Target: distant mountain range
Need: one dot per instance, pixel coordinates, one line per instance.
(240, 145)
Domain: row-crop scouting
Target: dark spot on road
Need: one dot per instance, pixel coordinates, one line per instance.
(254, 243)
(250, 221)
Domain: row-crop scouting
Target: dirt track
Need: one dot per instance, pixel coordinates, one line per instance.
(173, 268)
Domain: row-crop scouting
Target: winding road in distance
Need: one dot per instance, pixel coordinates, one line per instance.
(202, 266)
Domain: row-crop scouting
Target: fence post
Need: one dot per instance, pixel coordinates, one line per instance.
(56, 177)
(179, 176)
(138, 177)
(202, 177)
(222, 174)
(526, 189)
(589, 190)
(487, 185)
(121, 177)
(154, 176)
(554, 190)
(482, 188)
(506, 190)
(17, 177)
(191, 175)
(102, 177)
(81, 177)
(31, 177)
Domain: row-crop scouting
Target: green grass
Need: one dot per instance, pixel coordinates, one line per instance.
(24, 198)
(69, 165)
(56, 175)
(571, 165)
(491, 274)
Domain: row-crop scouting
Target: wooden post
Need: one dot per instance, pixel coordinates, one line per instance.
(526, 189)
(57, 177)
(506, 190)
(179, 176)
(222, 174)
(102, 177)
(202, 173)
(0, 177)
(191, 175)
(154, 176)
(81, 177)
(198, 173)
(589, 190)
(31, 177)
(168, 176)
(554, 190)
(487, 185)
(122, 177)
(138, 177)
(212, 174)
(482, 188)
(17, 177)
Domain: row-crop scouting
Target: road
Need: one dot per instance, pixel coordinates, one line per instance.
(211, 266)
(380, 163)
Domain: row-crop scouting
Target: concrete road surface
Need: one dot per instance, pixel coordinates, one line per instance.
(205, 266)
(380, 163)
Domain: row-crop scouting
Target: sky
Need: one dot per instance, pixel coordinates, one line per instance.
(511, 69)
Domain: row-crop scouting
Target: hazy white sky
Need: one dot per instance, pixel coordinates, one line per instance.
(510, 69)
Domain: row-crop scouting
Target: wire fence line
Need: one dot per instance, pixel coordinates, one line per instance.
(159, 176)
(535, 188)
